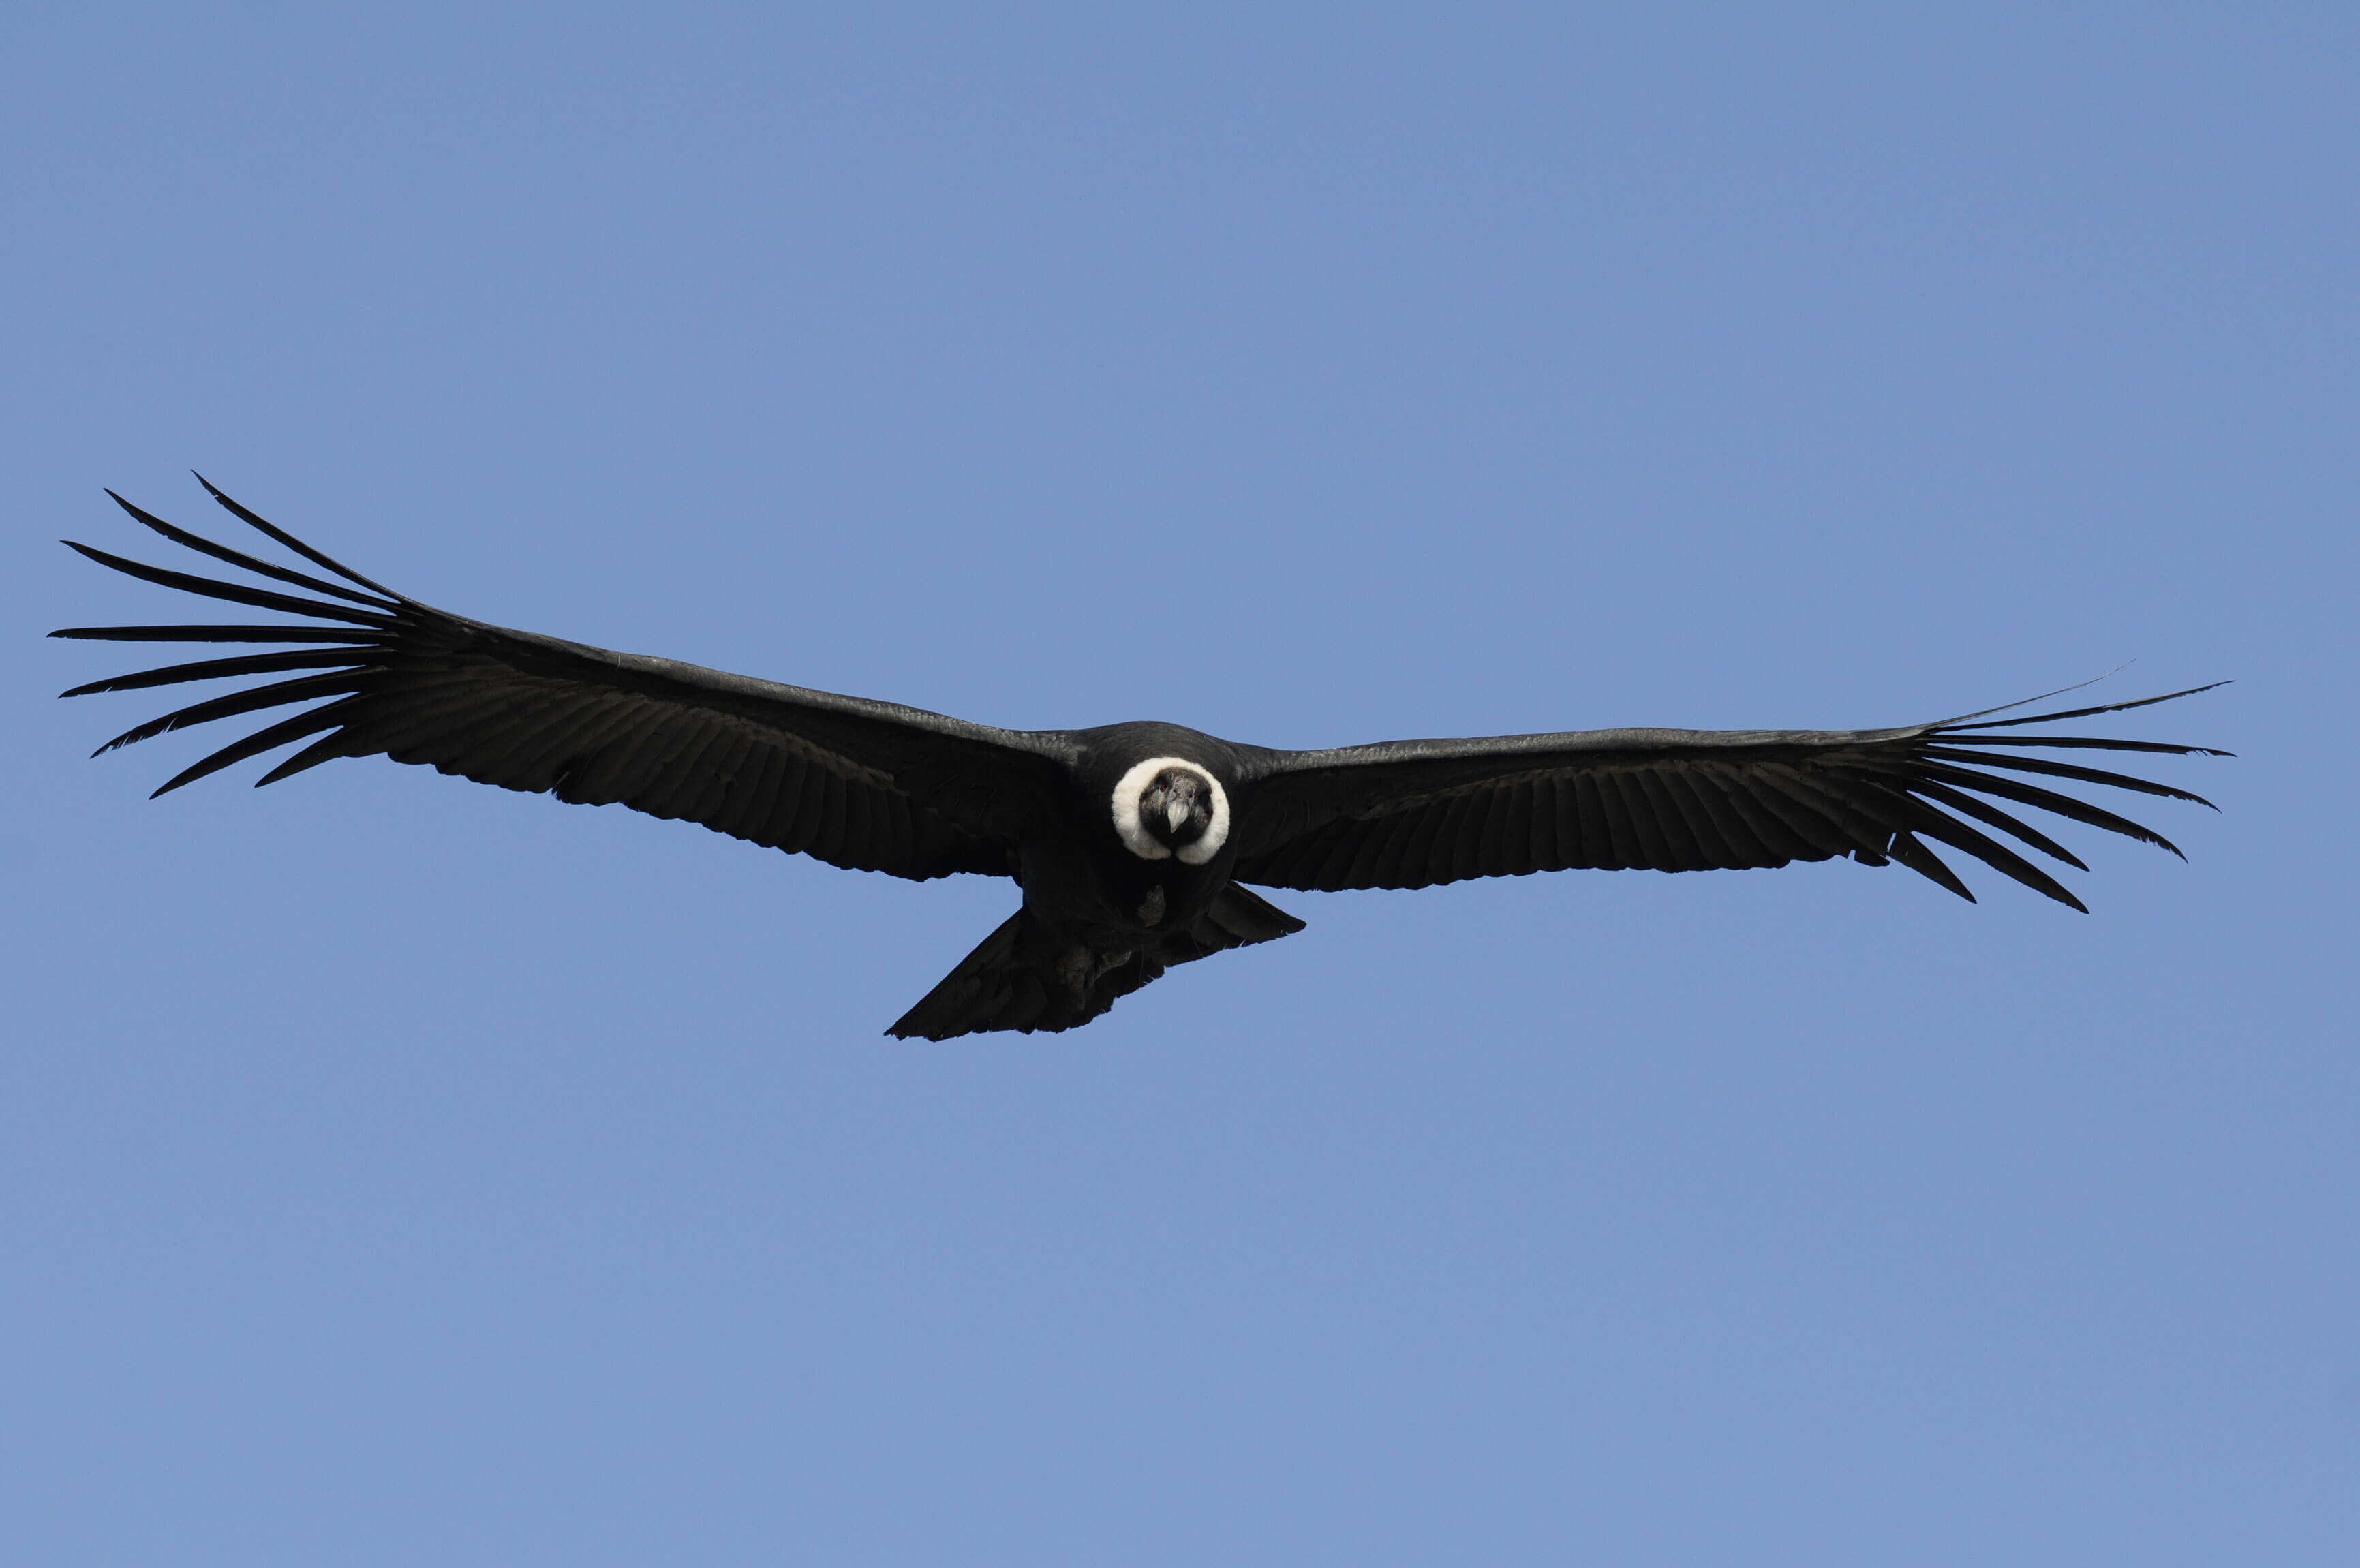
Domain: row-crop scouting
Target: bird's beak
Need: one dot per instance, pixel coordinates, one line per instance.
(1176, 811)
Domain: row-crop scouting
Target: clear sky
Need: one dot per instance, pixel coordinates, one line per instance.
(394, 1170)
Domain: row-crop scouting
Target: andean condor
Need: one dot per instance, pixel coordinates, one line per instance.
(1131, 842)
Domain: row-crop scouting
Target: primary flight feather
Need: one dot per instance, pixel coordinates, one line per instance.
(1129, 842)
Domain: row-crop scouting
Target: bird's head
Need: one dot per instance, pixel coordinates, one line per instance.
(1168, 808)
(1176, 807)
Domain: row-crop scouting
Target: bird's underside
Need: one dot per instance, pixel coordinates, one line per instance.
(1129, 843)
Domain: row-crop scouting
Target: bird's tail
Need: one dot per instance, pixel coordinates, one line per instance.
(1024, 977)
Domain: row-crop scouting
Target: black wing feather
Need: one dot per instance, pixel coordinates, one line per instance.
(290, 541)
(217, 670)
(212, 588)
(240, 559)
(209, 634)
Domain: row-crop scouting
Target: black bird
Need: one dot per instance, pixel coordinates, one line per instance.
(1131, 842)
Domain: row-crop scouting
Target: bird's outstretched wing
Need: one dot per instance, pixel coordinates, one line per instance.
(864, 785)
(1412, 814)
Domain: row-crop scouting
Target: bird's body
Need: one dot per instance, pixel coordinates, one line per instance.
(1133, 844)
(1100, 919)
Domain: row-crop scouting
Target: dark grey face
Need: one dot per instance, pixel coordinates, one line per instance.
(1175, 808)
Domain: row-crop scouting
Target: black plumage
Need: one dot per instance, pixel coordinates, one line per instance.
(1129, 842)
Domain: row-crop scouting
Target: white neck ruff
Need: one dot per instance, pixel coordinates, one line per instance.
(1142, 844)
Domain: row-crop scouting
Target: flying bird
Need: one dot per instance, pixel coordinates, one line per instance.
(1135, 845)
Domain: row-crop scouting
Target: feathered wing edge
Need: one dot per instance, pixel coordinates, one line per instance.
(371, 625)
(1942, 765)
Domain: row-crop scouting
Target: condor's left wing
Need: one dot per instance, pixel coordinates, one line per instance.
(1412, 814)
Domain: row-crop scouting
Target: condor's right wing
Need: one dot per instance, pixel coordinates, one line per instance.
(865, 784)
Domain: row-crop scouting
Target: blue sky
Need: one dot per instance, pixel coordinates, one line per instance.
(398, 1171)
